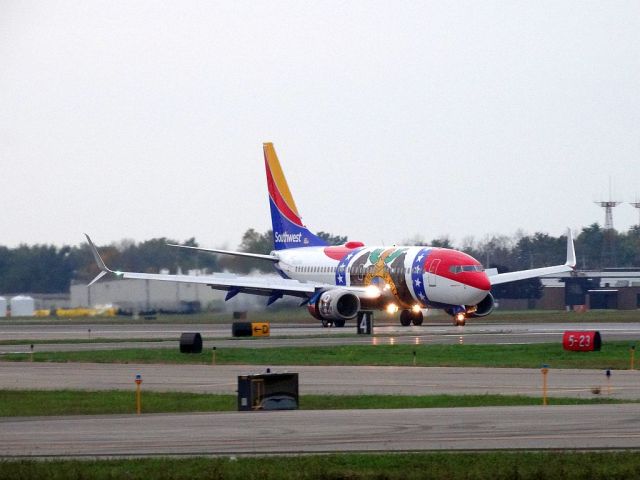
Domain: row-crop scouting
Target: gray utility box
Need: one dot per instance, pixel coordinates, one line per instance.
(268, 391)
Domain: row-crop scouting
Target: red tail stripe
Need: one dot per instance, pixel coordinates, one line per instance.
(277, 199)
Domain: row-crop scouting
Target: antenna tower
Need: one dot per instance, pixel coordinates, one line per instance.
(608, 213)
(608, 258)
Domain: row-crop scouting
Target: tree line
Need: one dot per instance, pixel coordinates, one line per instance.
(51, 269)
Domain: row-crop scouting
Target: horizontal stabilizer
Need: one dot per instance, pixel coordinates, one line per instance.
(259, 256)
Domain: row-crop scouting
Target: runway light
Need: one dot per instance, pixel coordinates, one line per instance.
(374, 341)
(417, 341)
(392, 341)
(416, 308)
(392, 308)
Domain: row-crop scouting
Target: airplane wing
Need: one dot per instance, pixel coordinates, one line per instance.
(568, 266)
(274, 288)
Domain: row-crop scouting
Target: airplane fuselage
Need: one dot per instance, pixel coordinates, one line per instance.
(406, 276)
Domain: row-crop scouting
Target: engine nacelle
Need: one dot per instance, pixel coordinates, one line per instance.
(335, 304)
(484, 308)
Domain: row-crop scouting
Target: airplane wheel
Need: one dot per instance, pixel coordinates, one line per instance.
(405, 318)
(338, 323)
(417, 318)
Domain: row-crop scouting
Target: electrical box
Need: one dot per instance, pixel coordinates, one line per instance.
(268, 391)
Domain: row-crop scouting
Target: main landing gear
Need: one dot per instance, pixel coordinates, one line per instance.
(407, 317)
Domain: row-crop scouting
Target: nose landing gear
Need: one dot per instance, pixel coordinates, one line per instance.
(459, 319)
(459, 315)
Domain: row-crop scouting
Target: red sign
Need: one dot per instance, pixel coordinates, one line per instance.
(585, 341)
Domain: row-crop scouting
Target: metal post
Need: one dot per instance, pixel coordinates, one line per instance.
(544, 371)
(414, 358)
(633, 353)
(138, 394)
(31, 355)
(608, 374)
(213, 357)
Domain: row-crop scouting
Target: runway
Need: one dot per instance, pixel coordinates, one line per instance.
(343, 380)
(89, 336)
(573, 427)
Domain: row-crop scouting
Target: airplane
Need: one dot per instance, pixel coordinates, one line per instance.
(336, 282)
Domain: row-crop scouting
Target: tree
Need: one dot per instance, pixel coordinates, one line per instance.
(332, 239)
(539, 250)
(589, 246)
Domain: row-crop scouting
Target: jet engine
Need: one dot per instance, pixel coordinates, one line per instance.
(484, 308)
(335, 305)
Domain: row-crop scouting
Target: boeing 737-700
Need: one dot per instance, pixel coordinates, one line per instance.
(336, 282)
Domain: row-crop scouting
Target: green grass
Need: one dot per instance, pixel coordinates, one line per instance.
(613, 355)
(401, 466)
(77, 402)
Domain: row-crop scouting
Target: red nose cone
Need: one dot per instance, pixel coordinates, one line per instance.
(478, 280)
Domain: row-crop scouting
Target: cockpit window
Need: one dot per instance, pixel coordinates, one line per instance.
(466, 268)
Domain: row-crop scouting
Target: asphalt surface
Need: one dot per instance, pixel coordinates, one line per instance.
(575, 427)
(340, 380)
(167, 336)
(558, 427)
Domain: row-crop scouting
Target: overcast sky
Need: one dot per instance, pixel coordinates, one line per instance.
(135, 119)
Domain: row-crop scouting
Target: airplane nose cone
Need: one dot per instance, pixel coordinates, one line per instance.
(479, 280)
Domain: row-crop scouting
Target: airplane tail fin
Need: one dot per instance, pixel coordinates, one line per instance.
(288, 230)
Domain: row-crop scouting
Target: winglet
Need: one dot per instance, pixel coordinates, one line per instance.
(103, 268)
(571, 251)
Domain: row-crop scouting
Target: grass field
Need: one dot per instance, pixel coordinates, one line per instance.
(76, 402)
(401, 466)
(614, 355)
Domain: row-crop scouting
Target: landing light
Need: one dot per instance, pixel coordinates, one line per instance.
(392, 308)
(416, 308)
(372, 291)
(460, 316)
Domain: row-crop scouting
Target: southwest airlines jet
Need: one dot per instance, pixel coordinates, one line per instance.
(335, 282)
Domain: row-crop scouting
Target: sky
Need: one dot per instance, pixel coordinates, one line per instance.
(392, 119)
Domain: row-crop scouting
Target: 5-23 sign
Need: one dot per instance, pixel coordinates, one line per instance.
(581, 341)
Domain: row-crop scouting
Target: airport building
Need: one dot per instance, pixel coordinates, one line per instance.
(144, 295)
(616, 289)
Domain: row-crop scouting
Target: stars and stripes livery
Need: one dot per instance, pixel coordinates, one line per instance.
(336, 282)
